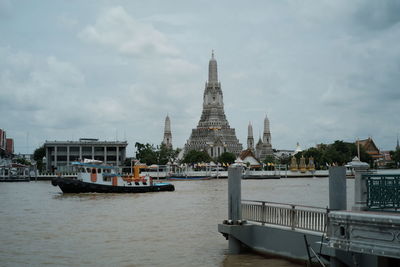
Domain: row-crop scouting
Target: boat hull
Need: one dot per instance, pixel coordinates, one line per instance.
(68, 185)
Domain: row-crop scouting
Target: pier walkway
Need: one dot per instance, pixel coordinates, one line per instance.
(366, 235)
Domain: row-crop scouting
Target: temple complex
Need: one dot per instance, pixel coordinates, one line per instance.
(167, 141)
(213, 133)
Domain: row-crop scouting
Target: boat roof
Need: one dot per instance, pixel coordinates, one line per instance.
(92, 165)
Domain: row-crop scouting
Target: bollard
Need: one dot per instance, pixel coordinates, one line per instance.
(360, 186)
(337, 188)
(234, 193)
(234, 203)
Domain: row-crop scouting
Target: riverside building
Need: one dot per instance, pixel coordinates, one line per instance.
(62, 153)
(213, 133)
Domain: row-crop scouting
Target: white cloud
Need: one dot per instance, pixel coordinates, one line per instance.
(320, 70)
(117, 29)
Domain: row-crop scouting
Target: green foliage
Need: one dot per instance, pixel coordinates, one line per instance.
(22, 161)
(269, 159)
(395, 156)
(194, 156)
(284, 159)
(38, 155)
(149, 154)
(166, 154)
(227, 157)
(146, 153)
(339, 153)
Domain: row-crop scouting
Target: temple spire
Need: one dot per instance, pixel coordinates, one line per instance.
(212, 69)
(167, 141)
(250, 138)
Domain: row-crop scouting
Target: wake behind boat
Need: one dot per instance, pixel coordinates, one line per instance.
(189, 178)
(94, 177)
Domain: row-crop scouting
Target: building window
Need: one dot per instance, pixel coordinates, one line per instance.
(101, 158)
(111, 148)
(73, 158)
(74, 149)
(99, 149)
(62, 149)
(87, 149)
(111, 158)
(61, 158)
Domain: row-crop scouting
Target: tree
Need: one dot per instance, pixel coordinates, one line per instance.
(284, 159)
(227, 157)
(167, 154)
(395, 156)
(22, 161)
(146, 153)
(149, 154)
(194, 156)
(38, 156)
(269, 159)
(338, 153)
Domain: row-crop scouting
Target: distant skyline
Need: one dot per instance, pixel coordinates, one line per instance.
(320, 70)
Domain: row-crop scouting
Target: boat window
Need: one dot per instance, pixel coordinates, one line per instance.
(88, 170)
(93, 170)
(98, 170)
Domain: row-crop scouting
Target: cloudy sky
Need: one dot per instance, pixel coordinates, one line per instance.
(321, 70)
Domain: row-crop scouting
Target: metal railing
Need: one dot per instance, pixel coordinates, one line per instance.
(293, 216)
(383, 191)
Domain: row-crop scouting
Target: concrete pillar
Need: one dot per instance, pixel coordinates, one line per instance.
(67, 155)
(48, 159)
(337, 188)
(105, 154)
(234, 193)
(234, 203)
(117, 159)
(360, 185)
(55, 156)
(80, 153)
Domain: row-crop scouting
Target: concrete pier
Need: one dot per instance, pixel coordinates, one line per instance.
(336, 237)
(234, 204)
(360, 186)
(337, 188)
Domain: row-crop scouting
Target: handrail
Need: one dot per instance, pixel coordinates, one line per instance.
(289, 215)
(283, 204)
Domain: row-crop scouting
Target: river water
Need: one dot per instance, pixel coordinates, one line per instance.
(41, 226)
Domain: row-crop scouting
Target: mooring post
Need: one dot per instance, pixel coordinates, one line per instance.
(360, 185)
(234, 203)
(337, 188)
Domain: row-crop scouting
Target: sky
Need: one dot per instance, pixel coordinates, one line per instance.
(320, 70)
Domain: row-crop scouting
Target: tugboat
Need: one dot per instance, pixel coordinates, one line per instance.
(95, 177)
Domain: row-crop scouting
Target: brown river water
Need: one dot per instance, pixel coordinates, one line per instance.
(40, 226)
